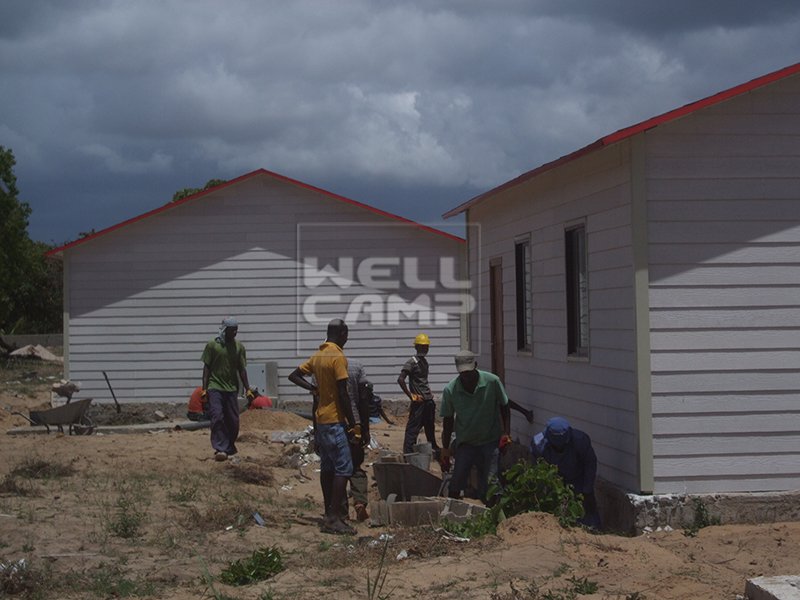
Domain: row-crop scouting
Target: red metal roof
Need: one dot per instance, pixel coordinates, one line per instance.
(628, 132)
(200, 194)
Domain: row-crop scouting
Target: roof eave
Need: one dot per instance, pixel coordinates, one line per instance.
(632, 130)
(57, 252)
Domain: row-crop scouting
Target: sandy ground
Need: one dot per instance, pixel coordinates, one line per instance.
(193, 516)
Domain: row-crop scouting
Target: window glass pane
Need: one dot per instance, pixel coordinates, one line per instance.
(523, 270)
(577, 292)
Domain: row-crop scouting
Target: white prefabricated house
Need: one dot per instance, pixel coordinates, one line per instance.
(142, 298)
(647, 288)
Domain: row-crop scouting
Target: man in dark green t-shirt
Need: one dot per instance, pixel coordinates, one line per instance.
(224, 362)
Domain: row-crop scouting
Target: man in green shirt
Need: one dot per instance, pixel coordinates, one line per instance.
(224, 362)
(475, 406)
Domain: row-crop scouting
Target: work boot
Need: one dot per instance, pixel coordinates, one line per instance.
(336, 526)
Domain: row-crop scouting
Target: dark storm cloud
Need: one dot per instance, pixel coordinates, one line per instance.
(414, 107)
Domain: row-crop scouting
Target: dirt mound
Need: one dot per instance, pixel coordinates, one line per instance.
(271, 420)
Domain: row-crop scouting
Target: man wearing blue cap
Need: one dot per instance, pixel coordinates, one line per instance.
(571, 451)
(224, 362)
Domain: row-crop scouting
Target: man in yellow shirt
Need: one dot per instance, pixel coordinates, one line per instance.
(333, 422)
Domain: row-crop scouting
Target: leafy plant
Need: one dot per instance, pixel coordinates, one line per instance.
(701, 519)
(479, 525)
(529, 487)
(129, 515)
(538, 487)
(261, 565)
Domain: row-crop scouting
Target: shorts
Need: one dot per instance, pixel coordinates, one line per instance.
(333, 449)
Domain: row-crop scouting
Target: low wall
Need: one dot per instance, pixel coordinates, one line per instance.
(630, 514)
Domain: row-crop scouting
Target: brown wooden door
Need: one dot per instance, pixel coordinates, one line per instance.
(496, 317)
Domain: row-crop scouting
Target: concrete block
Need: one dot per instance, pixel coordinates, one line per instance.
(414, 513)
(458, 510)
(780, 587)
(379, 513)
(405, 480)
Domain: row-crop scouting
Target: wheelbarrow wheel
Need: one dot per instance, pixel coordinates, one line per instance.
(85, 427)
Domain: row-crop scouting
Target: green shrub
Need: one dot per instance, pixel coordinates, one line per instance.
(529, 488)
(538, 487)
(129, 515)
(263, 564)
(476, 526)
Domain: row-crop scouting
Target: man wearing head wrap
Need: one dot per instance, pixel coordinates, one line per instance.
(224, 362)
(571, 451)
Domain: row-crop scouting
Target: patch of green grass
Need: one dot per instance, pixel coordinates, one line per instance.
(261, 565)
(26, 376)
(129, 513)
(187, 491)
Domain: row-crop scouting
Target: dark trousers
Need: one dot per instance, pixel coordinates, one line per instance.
(466, 457)
(421, 415)
(223, 412)
(359, 484)
(591, 516)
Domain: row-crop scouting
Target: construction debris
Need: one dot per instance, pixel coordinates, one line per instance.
(37, 351)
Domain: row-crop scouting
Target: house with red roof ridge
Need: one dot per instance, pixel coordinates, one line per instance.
(142, 298)
(647, 288)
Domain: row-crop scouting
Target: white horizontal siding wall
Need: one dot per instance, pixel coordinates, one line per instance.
(598, 395)
(144, 300)
(724, 210)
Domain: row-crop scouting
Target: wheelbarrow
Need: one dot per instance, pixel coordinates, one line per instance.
(71, 414)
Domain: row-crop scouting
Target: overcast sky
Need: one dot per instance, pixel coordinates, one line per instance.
(413, 106)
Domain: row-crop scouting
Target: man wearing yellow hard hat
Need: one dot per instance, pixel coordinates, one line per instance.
(422, 411)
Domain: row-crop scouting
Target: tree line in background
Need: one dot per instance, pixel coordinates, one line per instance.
(30, 284)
